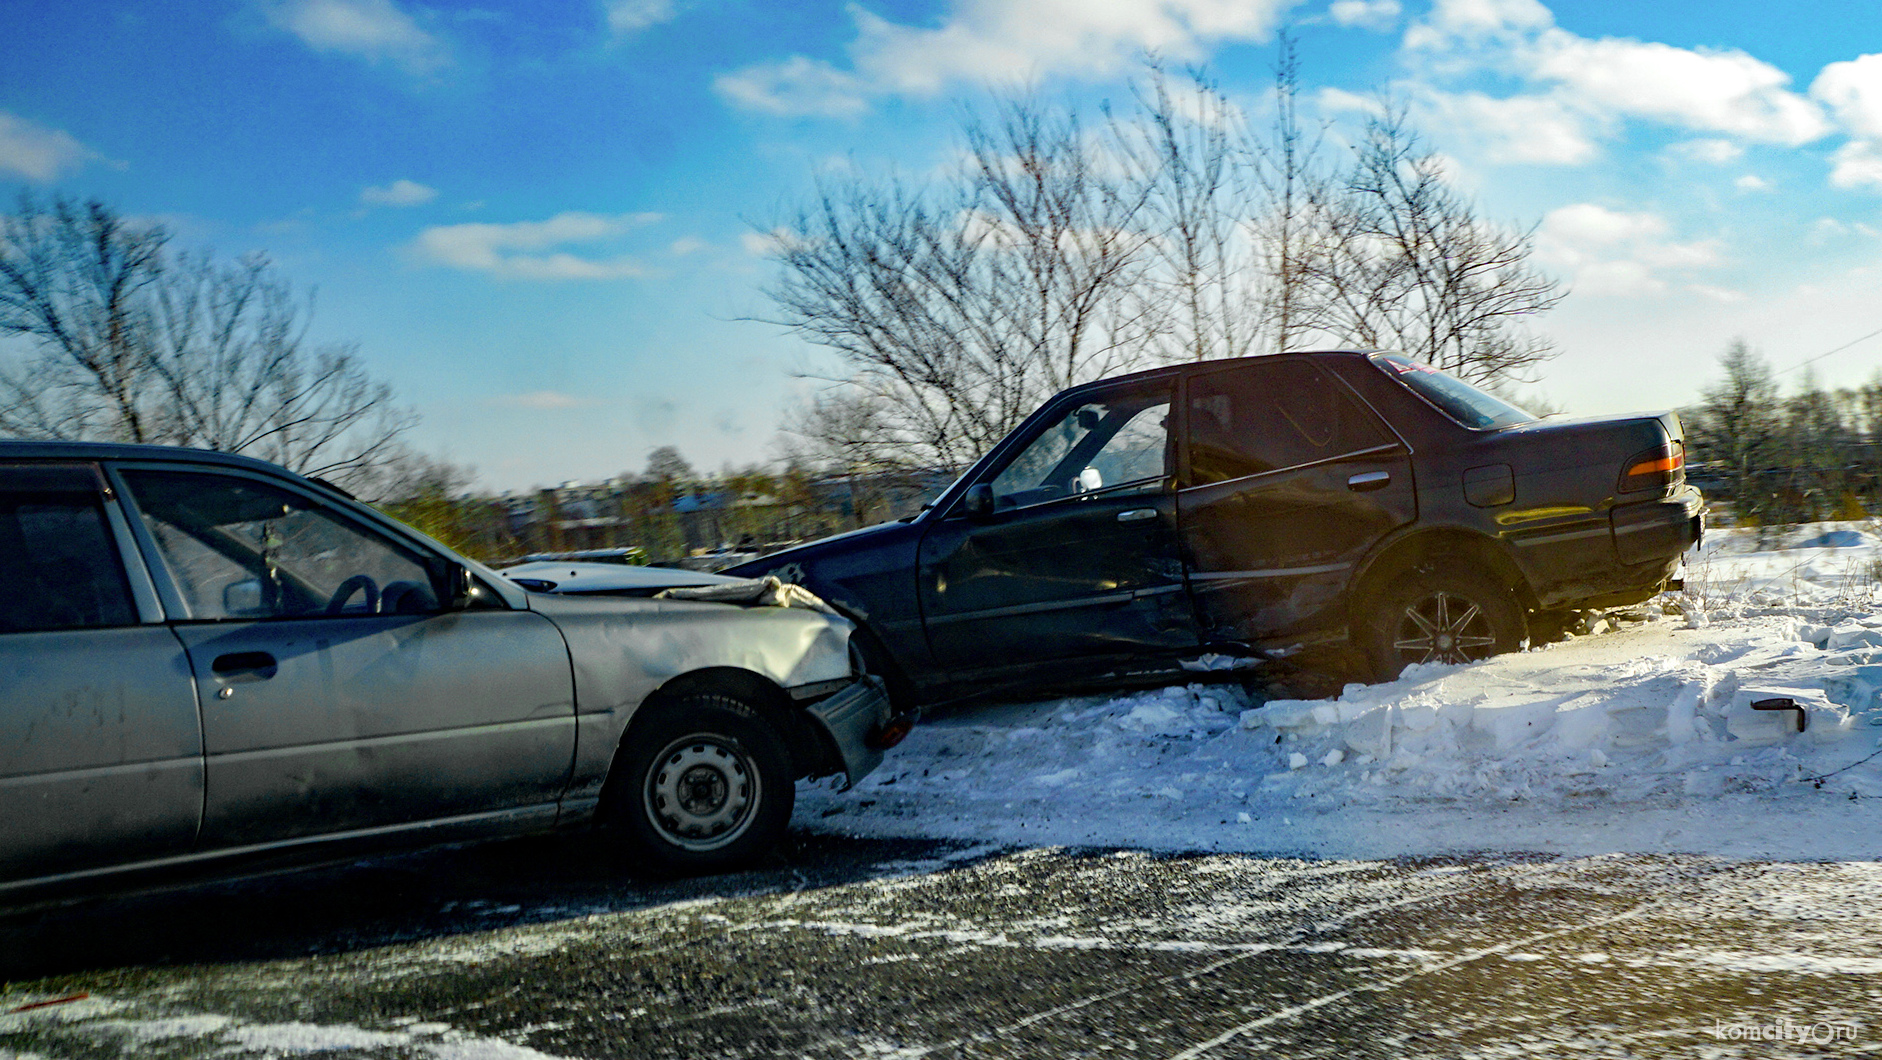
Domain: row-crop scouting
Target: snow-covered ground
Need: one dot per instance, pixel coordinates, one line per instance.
(1636, 735)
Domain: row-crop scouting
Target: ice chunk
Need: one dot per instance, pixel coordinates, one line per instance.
(1851, 635)
(1370, 734)
(1514, 722)
(1333, 758)
(1296, 761)
(1775, 726)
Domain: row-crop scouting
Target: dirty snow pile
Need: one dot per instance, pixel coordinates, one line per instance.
(1639, 734)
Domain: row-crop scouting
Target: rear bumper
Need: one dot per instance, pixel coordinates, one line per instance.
(1659, 529)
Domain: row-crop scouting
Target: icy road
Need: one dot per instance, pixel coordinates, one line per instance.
(1597, 848)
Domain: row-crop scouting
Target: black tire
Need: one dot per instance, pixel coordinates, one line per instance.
(701, 785)
(1448, 614)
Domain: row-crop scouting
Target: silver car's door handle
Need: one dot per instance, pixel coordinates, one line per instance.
(1136, 515)
(245, 666)
(1369, 480)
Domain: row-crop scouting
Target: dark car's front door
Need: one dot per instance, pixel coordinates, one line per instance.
(336, 693)
(1288, 480)
(1078, 556)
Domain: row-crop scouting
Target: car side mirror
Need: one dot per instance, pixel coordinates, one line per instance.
(978, 504)
(242, 598)
(457, 586)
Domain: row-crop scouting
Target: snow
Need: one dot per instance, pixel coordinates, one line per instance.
(1637, 735)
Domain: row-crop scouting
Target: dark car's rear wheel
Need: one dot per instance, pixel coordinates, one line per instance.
(1440, 616)
(703, 785)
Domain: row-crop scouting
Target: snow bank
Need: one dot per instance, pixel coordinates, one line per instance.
(1640, 737)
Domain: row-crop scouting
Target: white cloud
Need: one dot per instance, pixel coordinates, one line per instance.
(542, 401)
(1711, 150)
(1611, 252)
(1752, 182)
(1857, 163)
(1722, 295)
(627, 17)
(32, 151)
(1452, 22)
(398, 193)
(1724, 91)
(1339, 100)
(1588, 225)
(772, 243)
(1366, 14)
(1517, 128)
(377, 30)
(1585, 87)
(998, 40)
(526, 249)
(794, 86)
(1825, 229)
(685, 245)
(1853, 91)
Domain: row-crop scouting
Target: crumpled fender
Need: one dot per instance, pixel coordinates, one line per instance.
(622, 649)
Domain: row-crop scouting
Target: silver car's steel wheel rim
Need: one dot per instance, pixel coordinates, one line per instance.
(701, 792)
(1444, 627)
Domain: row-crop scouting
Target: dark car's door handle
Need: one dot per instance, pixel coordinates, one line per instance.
(245, 664)
(1136, 515)
(1369, 480)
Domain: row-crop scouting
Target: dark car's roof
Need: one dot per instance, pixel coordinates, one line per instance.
(15, 449)
(1207, 366)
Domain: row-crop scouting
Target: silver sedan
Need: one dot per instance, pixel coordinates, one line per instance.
(204, 657)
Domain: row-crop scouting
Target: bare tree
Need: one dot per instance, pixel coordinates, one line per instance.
(1406, 263)
(73, 288)
(1202, 293)
(1054, 257)
(955, 308)
(125, 341)
(1290, 226)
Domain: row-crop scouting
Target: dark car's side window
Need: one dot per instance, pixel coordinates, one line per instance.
(237, 548)
(59, 568)
(1271, 415)
(1114, 442)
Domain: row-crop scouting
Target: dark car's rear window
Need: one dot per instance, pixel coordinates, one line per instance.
(1455, 398)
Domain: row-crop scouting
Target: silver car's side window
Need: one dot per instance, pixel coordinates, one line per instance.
(58, 565)
(237, 548)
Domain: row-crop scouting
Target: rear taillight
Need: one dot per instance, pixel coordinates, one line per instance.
(1655, 469)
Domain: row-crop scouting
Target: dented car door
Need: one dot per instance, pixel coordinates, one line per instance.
(1288, 480)
(1074, 552)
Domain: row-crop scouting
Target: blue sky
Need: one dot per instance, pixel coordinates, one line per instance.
(537, 219)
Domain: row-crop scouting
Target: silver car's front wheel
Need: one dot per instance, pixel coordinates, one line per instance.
(703, 783)
(701, 791)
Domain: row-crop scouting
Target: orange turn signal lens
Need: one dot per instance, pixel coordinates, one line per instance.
(891, 734)
(1665, 463)
(1655, 468)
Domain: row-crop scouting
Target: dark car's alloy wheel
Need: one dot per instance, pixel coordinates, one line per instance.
(704, 785)
(1441, 617)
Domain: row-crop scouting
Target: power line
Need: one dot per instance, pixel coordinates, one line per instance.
(1839, 349)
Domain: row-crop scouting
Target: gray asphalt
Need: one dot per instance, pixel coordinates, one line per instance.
(850, 948)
